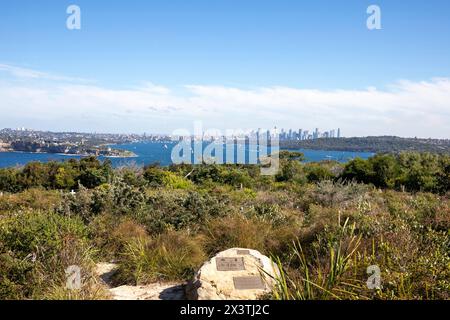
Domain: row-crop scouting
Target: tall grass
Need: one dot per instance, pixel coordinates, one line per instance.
(317, 278)
(170, 256)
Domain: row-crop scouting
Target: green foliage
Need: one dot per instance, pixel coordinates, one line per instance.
(316, 172)
(291, 155)
(290, 171)
(9, 180)
(384, 144)
(88, 172)
(269, 212)
(409, 171)
(154, 176)
(169, 256)
(177, 211)
(236, 231)
(174, 181)
(118, 198)
(132, 175)
(35, 249)
(358, 170)
(158, 177)
(37, 199)
(318, 278)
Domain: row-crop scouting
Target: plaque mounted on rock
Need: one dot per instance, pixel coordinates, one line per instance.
(234, 274)
(248, 283)
(230, 263)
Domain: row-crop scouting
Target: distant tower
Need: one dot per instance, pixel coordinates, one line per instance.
(339, 133)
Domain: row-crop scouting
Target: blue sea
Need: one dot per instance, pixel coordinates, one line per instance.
(156, 152)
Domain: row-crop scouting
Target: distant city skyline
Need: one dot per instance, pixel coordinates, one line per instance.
(157, 66)
(284, 134)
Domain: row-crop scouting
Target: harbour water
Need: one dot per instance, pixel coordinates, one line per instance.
(156, 152)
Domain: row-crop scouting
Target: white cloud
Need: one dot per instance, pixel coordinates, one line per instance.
(25, 73)
(405, 108)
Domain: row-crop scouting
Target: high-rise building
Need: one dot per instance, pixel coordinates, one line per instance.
(339, 132)
(305, 134)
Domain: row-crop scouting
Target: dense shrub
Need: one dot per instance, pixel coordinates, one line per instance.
(30, 199)
(35, 250)
(9, 180)
(117, 198)
(316, 172)
(88, 172)
(109, 234)
(237, 230)
(409, 171)
(180, 210)
(168, 256)
(290, 170)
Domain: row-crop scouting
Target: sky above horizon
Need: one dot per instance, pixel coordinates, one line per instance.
(159, 65)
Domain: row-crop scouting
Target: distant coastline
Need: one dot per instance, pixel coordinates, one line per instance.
(381, 144)
(148, 153)
(146, 149)
(123, 153)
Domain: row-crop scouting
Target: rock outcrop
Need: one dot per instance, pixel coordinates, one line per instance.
(233, 274)
(153, 291)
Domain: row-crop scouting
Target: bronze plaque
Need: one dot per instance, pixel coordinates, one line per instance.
(230, 264)
(249, 282)
(243, 252)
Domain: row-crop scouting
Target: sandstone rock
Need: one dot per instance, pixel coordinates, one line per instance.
(154, 291)
(105, 271)
(233, 274)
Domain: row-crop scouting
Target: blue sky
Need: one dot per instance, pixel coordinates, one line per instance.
(170, 62)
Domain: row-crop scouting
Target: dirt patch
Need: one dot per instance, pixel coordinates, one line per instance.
(153, 291)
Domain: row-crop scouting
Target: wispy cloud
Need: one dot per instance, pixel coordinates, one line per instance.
(25, 73)
(405, 108)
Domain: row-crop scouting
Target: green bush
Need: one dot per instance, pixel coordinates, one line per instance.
(169, 256)
(181, 210)
(316, 172)
(35, 250)
(409, 171)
